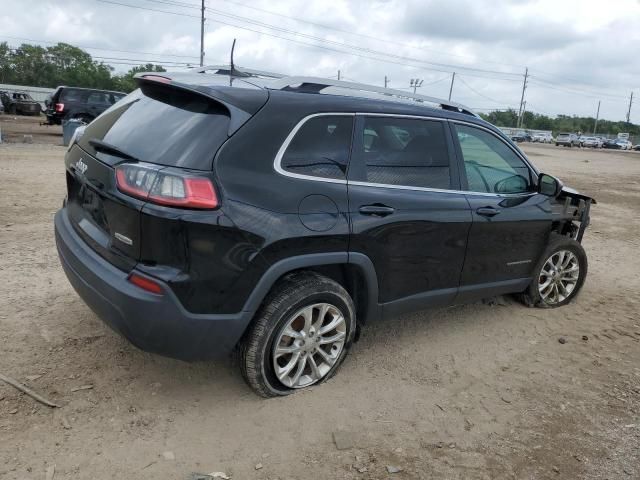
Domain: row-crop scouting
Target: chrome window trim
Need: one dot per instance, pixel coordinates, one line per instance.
(514, 150)
(439, 190)
(283, 148)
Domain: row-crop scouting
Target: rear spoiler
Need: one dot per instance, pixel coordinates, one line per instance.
(241, 103)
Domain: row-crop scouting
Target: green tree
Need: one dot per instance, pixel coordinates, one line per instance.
(6, 63)
(126, 82)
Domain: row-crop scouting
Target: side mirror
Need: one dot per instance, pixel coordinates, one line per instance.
(549, 185)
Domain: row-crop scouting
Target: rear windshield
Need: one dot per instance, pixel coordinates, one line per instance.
(164, 126)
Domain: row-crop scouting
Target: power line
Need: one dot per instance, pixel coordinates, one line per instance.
(500, 102)
(371, 37)
(441, 66)
(545, 84)
(125, 61)
(100, 48)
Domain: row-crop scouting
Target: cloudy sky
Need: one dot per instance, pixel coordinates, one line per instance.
(577, 52)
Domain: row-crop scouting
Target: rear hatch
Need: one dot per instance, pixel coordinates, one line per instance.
(159, 126)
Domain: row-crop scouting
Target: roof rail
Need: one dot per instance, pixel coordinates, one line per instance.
(237, 71)
(317, 84)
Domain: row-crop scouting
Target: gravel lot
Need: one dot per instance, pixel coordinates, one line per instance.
(470, 392)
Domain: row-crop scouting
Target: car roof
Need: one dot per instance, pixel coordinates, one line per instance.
(322, 95)
(253, 79)
(60, 87)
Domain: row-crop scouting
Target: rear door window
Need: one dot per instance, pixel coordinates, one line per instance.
(320, 148)
(405, 152)
(71, 95)
(99, 98)
(116, 97)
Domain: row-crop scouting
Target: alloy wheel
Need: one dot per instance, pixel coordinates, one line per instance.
(559, 277)
(309, 345)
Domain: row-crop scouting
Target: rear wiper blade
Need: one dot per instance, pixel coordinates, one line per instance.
(105, 147)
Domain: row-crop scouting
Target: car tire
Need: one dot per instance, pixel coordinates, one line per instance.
(570, 257)
(285, 311)
(557, 144)
(12, 110)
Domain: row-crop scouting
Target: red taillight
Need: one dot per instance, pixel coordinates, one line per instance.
(170, 189)
(59, 107)
(146, 284)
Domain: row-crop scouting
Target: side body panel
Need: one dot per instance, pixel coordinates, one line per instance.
(418, 246)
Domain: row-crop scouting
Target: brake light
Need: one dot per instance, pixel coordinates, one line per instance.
(146, 283)
(59, 107)
(163, 188)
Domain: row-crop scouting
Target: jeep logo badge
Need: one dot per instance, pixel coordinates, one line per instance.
(81, 166)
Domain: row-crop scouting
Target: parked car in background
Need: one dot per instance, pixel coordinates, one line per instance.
(591, 142)
(624, 144)
(82, 103)
(19, 103)
(637, 147)
(567, 140)
(274, 220)
(521, 136)
(542, 138)
(613, 144)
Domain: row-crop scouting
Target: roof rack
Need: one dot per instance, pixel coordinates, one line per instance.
(317, 84)
(237, 71)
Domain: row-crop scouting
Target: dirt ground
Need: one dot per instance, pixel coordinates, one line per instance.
(481, 391)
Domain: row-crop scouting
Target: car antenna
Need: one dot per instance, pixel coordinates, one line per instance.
(232, 67)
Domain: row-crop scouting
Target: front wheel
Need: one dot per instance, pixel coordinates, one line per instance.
(559, 275)
(300, 337)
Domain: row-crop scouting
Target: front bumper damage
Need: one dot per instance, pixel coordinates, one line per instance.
(571, 213)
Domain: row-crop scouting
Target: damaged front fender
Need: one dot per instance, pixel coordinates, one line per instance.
(571, 213)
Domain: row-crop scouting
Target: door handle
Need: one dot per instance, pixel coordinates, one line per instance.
(376, 210)
(487, 211)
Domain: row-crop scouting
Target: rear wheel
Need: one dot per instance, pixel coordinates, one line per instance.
(300, 337)
(559, 275)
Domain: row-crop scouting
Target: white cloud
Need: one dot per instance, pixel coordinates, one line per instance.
(577, 51)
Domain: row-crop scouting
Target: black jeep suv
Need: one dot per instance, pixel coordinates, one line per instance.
(82, 103)
(212, 212)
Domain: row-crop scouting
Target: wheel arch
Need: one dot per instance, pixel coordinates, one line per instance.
(354, 271)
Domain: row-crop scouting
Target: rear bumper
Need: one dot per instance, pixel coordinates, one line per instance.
(154, 323)
(53, 118)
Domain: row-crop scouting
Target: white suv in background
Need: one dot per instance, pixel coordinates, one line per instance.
(542, 138)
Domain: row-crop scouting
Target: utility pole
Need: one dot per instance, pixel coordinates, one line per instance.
(202, 36)
(415, 83)
(453, 77)
(629, 111)
(338, 74)
(524, 87)
(597, 117)
(386, 81)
